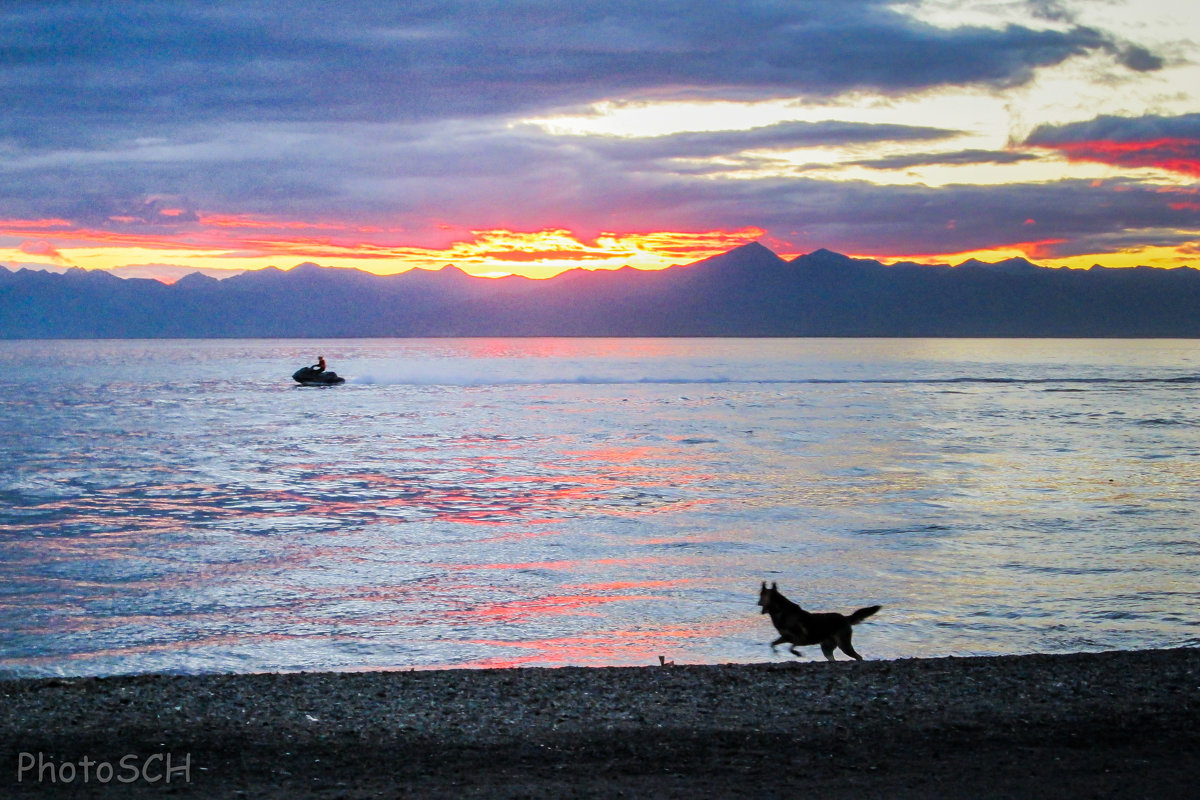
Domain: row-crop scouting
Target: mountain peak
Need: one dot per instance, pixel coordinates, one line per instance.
(828, 263)
(307, 268)
(197, 279)
(823, 252)
(751, 255)
(1009, 266)
(752, 247)
(81, 274)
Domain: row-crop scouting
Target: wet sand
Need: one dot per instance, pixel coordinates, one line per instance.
(1123, 724)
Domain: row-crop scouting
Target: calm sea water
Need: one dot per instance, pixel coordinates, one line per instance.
(182, 506)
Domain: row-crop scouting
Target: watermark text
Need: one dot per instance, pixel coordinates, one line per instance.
(131, 768)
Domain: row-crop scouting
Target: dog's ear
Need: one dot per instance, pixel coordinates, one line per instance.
(774, 586)
(764, 586)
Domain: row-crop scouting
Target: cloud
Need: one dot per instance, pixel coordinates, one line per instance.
(859, 217)
(132, 212)
(781, 136)
(44, 249)
(369, 190)
(1168, 143)
(158, 66)
(1054, 10)
(909, 160)
(1138, 58)
(373, 126)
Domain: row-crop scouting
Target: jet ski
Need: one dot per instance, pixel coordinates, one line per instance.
(311, 376)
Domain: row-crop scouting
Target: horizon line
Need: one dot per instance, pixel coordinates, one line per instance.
(169, 274)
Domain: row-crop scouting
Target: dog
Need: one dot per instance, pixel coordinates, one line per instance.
(799, 627)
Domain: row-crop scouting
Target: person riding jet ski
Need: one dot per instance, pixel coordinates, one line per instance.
(317, 375)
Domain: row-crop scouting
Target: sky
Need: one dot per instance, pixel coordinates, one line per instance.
(512, 137)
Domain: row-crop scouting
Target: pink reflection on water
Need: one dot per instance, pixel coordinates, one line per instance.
(615, 586)
(486, 490)
(510, 611)
(619, 647)
(549, 348)
(489, 492)
(561, 564)
(615, 647)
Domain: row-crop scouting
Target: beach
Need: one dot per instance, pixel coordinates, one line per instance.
(1115, 724)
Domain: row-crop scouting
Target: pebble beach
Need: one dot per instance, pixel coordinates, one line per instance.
(1116, 724)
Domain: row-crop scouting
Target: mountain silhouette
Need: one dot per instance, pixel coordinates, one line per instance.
(748, 291)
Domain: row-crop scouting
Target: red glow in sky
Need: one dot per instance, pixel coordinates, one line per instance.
(1173, 155)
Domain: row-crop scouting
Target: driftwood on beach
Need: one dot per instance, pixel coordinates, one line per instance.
(1122, 724)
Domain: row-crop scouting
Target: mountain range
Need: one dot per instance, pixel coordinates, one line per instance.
(748, 291)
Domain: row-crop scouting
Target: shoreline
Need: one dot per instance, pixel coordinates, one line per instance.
(1113, 724)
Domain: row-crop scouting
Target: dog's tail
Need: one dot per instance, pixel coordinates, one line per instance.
(863, 613)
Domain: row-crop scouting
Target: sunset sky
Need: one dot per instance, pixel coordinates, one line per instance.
(533, 137)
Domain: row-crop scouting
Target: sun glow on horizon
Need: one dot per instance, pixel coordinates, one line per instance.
(227, 244)
(234, 243)
(1041, 254)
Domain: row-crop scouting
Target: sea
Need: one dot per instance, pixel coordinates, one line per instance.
(185, 507)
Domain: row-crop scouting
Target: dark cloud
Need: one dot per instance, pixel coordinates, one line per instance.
(960, 157)
(1169, 143)
(1138, 58)
(141, 212)
(782, 136)
(1053, 10)
(81, 71)
(1117, 129)
(382, 172)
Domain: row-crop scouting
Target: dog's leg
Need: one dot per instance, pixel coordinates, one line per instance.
(827, 649)
(843, 641)
(778, 642)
